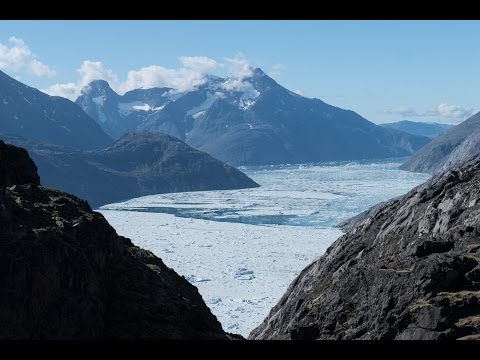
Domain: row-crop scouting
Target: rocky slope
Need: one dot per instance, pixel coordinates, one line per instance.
(136, 165)
(430, 130)
(453, 148)
(28, 112)
(409, 270)
(66, 274)
(247, 121)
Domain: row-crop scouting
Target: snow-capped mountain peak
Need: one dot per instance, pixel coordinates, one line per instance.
(248, 118)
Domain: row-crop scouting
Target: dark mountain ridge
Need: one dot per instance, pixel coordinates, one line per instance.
(31, 114)
(136, 165)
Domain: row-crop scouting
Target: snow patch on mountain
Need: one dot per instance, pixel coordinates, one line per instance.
(158, 108)
(246, 103)
(144, 107)
(99, 100)
(243, 86)
(198, 114)
(204, 106)
(101, 115)
(127, 108)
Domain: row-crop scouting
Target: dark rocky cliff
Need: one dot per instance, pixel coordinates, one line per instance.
(16, 167)
(66, 274)
(409, 270)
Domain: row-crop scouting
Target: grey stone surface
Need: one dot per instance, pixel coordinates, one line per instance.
(407, 270)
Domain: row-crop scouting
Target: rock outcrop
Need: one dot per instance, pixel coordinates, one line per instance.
(16, 167)
(66, 274)
(409, 270)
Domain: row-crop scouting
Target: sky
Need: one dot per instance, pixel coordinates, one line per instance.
(384, 70)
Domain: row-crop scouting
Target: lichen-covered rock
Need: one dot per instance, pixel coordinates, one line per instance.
(409, 269)
(66, 274)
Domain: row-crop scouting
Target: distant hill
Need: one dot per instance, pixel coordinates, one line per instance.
(251, 121)
(430, 130)
(456, 146)
(136, 165)
(30, 113)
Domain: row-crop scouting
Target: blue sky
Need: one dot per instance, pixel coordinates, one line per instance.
(384, 70)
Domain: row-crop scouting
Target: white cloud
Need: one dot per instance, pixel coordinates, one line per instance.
(88, 71)
(277, 70)
(94, 70)
(201, 64)
(18, 56)
(191, 75)
(68, 90)
(241, 70)
(403, 111)
(450, 111)
(188, 77)
(240, 67)
(40, 69)
(244, 86)
(444, 110)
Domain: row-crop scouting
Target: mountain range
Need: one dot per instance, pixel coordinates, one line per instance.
(451, 149)
(74, 154)
(249, 121)
(430, 130)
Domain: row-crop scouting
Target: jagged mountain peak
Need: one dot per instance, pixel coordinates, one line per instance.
(258, 72)
(98, 88)
(100, 83)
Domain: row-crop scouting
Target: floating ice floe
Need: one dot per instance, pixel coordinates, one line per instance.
(244, 274)
(195, 279)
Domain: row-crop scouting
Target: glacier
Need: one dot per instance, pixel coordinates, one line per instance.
(242, 248)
